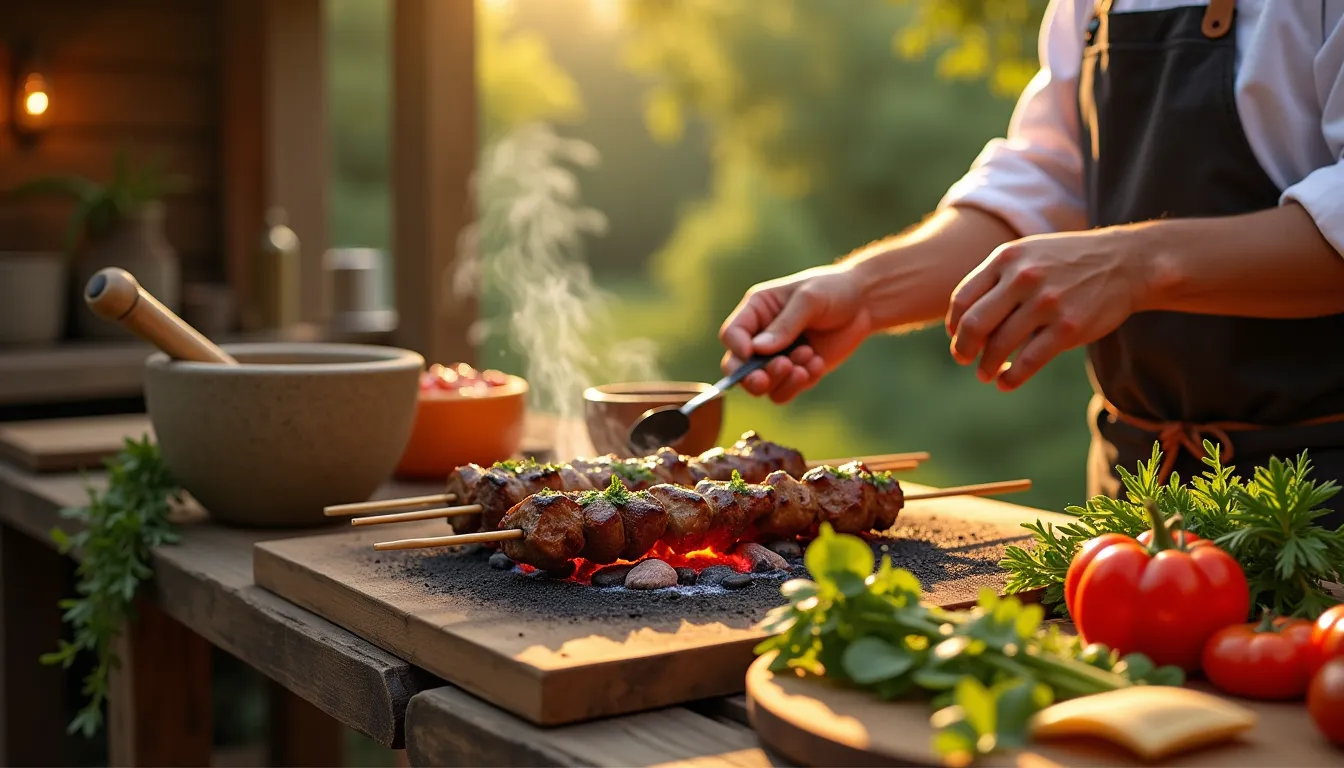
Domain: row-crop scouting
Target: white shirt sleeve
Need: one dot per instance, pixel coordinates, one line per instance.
(1321, 192)
(1033, 178)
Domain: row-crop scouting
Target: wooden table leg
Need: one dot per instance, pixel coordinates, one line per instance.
(301, 734)
(33, 577)
(159, 711)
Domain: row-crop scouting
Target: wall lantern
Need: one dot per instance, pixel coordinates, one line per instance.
(32, 94)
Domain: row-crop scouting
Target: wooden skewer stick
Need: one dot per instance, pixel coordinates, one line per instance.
(341, 510)
(424, 514)
(878, 458)
(452, 541)
(982, 489)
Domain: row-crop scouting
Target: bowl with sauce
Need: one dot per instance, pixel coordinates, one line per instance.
(611, 409)
(463, 416)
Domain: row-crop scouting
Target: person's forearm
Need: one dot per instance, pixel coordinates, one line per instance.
(1271, 264)
(908, 279)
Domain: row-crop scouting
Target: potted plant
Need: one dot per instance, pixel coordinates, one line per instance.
(117, 224)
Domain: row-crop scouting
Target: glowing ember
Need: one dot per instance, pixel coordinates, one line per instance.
(699, 560)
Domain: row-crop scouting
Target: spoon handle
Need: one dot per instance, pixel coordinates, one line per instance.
(753, 364)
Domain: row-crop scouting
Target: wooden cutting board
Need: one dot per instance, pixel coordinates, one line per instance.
(814, 724)
(559, 652)
(66, 445)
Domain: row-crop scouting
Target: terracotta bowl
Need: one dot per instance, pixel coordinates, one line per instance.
(610, 410)
(452, 429)
(292, 429)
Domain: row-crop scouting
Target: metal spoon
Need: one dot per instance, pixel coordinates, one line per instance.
(664, 426)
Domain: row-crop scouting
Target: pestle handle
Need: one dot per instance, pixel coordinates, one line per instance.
(114, 294)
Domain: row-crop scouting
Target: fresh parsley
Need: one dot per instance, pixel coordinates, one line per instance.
(986, 670)
(633, 471)
(615, 492)
(1267, 523)
(737, 485)
(120, 528)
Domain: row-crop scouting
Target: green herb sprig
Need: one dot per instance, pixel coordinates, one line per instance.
(632, 471)
(120, 528)
(986, 670)
(1267, 523)
(737, 485)
(615, 492)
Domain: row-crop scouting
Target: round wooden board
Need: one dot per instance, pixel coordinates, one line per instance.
(811, 723)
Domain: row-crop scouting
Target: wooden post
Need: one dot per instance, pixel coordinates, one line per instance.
(273, 136)
(159, 707)
(32, 580)
(433, 156)
(302, 735)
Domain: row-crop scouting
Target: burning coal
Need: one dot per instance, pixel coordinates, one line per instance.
(527, 248)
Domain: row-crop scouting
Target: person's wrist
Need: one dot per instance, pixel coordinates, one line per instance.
(1148, 254)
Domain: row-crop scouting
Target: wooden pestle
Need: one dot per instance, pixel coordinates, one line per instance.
(114, 294)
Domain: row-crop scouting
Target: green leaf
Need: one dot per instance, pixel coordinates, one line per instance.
(831, 557)
(870, 660)
(976, 701)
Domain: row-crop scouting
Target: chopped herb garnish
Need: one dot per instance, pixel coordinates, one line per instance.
(881, 480)
(616, 493)
(737, 484)
(632, 471)
(547, 492)
(518, 465)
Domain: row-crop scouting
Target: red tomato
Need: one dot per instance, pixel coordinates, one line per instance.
(1184, 537)
(1325, 700)
(1261, 660)
(1327, 636)
(1165, 605)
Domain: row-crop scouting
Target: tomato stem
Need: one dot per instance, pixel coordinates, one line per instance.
(1162, 538)
(1266, 621)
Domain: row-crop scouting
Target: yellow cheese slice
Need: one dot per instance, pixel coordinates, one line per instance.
(1152, 721)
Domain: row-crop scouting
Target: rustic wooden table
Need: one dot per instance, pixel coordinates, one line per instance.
(321, 676)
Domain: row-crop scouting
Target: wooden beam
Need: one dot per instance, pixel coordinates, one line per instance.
(32, 580)
(301, 735)
(274, 137)
(434, 153)
(159, 707)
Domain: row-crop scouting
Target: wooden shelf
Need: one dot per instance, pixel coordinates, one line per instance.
(83, 371)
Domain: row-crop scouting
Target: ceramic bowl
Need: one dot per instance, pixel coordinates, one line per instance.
(292, 429)
(611, 409)
(452, 429)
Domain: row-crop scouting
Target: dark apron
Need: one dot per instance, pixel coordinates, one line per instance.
(1161, 138)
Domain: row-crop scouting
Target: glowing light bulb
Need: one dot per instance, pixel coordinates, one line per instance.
(36, 103)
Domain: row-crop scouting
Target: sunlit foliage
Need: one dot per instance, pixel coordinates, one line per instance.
(992, 40)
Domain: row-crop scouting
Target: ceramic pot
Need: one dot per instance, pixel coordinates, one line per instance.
(611, 409)
(138, 245)
(33, 298)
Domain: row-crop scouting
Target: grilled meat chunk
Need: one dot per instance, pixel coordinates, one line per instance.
(507, 483)
(736, 505)
(767, 457)
(462, 484)
(888, 500)
(596, 469)
(552, 524)
(635, 474)
(671, 467)
(844, 498)
(719, 464)
(688, 517)
(644, 522)
(795, 510)
(572, 479)
(603, 532)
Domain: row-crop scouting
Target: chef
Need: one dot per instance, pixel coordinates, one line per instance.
(1170, 194)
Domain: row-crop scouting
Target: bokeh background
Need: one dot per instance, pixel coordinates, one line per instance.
(671, 153)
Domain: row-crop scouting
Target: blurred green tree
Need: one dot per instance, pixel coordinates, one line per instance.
(824, 138)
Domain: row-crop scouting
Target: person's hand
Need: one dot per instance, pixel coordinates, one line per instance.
(1043, 295)
(824, 302)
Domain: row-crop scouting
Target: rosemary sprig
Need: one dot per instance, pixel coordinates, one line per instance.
(1268, 523)
(121, 526)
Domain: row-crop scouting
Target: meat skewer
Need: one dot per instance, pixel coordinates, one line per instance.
(752, 456)
(717, 514)
(479, 489)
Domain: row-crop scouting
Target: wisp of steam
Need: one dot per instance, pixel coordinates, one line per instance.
(527, 247)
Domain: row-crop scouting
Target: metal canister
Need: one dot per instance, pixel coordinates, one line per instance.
(275, 277)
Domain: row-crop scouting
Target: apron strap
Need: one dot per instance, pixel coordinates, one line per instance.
(1218, 18)
(1175, 436)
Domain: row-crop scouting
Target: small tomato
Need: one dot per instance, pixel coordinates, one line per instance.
(1325, 700)
(1327, 636)
(1271, 659)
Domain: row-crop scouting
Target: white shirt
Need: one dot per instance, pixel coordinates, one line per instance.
(1289, 92)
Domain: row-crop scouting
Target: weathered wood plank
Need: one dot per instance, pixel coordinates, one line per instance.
(448, 727)
(159, 707)
(205, 582)
(191, 225)
(92, 154)
(135, 98)
(31, 581)
(433, 156)
(80, 34)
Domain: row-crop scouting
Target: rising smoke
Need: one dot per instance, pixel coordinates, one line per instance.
(527, 247)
